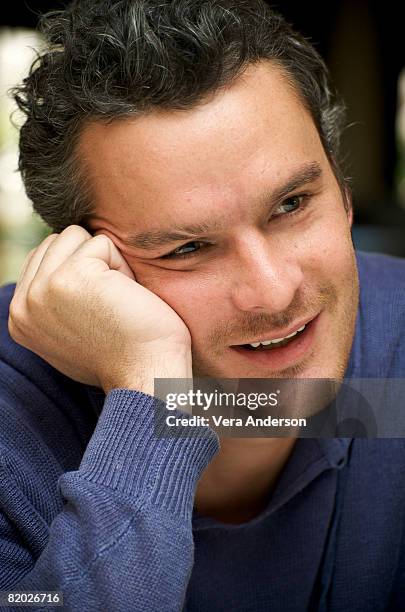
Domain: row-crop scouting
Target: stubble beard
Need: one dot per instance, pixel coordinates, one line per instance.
(327, 299)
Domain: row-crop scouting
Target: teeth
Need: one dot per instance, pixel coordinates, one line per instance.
(276, 340)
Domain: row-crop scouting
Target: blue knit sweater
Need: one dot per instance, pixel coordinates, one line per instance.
(93, 504)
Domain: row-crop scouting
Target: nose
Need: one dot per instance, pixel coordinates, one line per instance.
(266, 275)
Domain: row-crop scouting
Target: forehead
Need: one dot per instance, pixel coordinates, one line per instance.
(246, 137)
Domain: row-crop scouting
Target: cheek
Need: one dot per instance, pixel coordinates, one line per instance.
(195, 298)
(328, 244)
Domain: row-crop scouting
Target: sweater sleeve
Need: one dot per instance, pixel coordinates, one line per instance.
(123, 539)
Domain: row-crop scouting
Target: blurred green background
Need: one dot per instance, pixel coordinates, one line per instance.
(20, 229)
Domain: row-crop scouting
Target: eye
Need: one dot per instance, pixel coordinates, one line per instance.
(187, 250)
(291, 205)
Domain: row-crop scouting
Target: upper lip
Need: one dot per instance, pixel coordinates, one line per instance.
(280, 334)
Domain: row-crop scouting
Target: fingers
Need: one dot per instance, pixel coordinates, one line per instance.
(102, 248)
(67, 247)
(32, 263)
(57, 251)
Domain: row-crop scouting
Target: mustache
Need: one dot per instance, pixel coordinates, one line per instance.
(250, 325)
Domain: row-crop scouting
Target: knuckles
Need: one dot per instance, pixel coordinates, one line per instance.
(33, 298)
(16, 321)
(56, 285)
(76, 230)
(29, 305)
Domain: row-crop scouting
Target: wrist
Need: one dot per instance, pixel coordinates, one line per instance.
(141, 376)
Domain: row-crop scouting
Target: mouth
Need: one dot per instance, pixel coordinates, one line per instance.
(281, 351)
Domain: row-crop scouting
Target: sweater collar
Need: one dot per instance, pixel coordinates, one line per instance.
(310, 458)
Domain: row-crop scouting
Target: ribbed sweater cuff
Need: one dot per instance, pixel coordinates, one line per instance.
(126, 453)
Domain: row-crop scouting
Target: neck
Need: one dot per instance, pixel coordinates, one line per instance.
(237, 484)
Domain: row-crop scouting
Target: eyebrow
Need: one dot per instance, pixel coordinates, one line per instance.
(157, 238)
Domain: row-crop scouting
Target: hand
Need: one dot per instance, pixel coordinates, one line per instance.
(78, 306)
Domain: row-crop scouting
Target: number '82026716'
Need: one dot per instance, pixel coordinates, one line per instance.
(30, 598)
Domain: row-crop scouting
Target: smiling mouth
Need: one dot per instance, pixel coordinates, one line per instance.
(279, 353)
(275, 343)
(268, 345)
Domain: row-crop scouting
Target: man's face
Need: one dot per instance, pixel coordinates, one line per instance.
(244, 182)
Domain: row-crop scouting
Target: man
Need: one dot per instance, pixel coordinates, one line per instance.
(186, 155)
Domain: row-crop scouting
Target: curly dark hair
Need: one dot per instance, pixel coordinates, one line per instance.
(110, 59)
